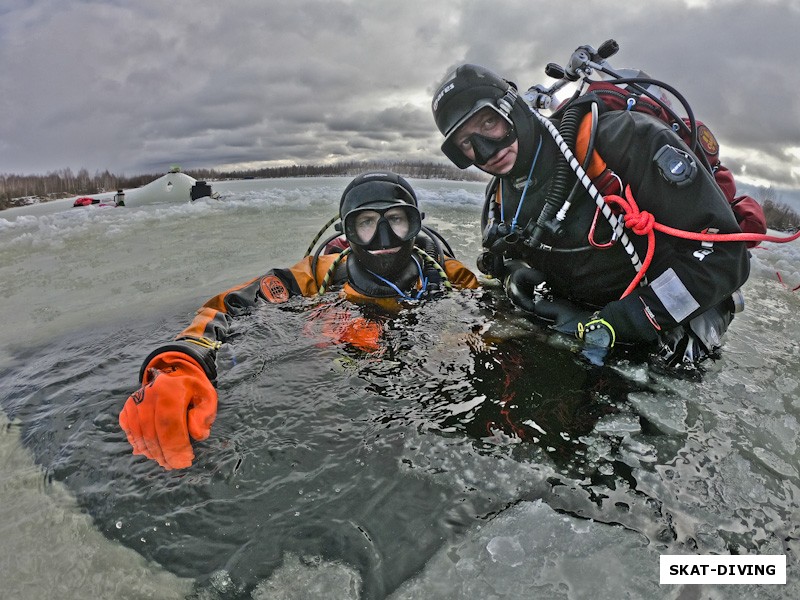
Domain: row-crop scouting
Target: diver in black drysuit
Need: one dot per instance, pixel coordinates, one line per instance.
(688, 297)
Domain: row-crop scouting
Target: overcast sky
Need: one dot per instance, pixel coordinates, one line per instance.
(135, 86)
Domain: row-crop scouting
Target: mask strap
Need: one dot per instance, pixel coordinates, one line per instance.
(506, 103)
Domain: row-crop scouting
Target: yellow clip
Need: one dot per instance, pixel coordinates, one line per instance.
(203, 343)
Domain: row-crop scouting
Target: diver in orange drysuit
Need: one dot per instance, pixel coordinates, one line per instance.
(388, 257)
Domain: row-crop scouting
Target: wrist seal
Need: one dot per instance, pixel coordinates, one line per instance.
(204, 354)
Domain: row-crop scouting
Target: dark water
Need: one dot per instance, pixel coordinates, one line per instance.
(311, 452)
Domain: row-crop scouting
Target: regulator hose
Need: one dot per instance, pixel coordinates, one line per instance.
(557, 193)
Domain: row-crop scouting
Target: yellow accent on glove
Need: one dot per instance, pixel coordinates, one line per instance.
(591, 332)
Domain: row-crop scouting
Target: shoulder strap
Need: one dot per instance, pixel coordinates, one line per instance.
(603, 178)
(597, 164)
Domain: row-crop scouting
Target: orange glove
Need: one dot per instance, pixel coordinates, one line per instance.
(176, 400)
(362, 333)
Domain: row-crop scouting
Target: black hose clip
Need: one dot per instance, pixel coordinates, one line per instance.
(500, 237)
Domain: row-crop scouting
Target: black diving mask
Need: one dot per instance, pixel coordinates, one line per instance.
(492, 130)
(380, 225)
(485, 147)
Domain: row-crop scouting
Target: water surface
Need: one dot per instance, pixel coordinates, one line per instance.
(477, 457)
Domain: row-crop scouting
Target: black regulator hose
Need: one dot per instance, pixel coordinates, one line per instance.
(491, 190)
(439, 244)
(557, 194)
(691, 129)
(320, 248)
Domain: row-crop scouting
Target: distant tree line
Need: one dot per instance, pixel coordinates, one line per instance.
(416, 170)
(21, 189)
(779, 216)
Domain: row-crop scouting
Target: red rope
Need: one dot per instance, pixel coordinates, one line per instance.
(644, 223)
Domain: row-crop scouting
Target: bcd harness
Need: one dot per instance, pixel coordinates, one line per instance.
(578, 129)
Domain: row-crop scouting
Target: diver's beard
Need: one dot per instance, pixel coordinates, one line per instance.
(385, 264)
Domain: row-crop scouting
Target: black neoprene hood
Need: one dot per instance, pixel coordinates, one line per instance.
(377, 188)
(463, 93)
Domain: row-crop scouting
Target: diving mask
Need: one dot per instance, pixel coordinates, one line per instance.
(381, 225)
(479, 136)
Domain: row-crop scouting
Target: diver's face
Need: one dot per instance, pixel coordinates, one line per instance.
(492, 127)
(366, 226)
(382, 239)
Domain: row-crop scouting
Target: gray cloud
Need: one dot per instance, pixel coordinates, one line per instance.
(138, 86)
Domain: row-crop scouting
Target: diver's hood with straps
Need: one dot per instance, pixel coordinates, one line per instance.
(379, 190)
(471, 88)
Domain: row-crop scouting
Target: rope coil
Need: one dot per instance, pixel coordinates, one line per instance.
(644, 223)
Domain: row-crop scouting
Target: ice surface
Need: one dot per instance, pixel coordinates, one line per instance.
(310, 577)
(531, 551)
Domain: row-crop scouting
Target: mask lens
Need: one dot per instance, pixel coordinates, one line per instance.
(362, 225)
(488, 125)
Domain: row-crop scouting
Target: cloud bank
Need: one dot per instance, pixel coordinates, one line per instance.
(134, 87)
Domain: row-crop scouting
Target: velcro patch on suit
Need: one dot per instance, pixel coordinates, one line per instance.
(274, 289)
(673, 294)
(707, 140)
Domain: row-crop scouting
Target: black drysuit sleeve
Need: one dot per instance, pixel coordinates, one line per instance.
(685, 278)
